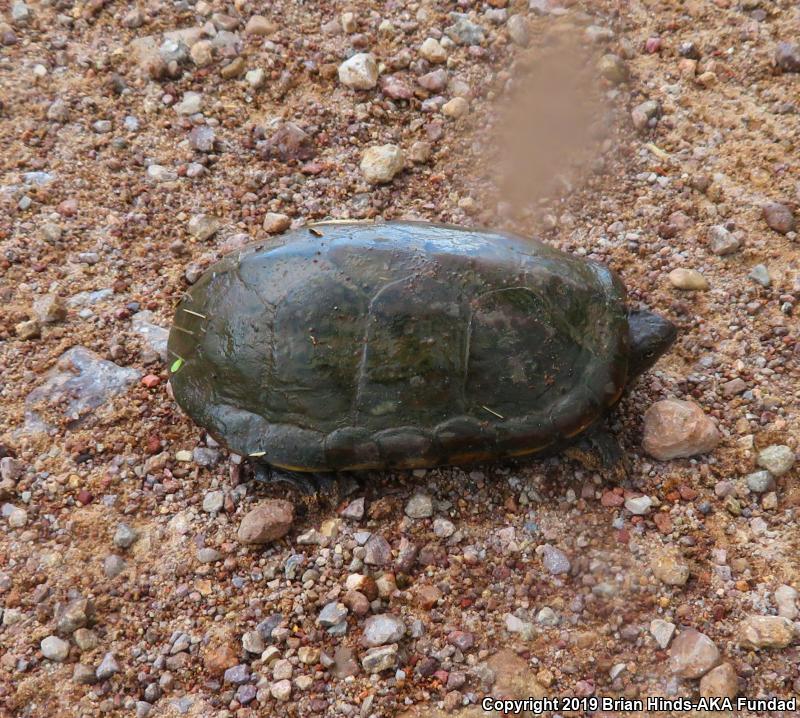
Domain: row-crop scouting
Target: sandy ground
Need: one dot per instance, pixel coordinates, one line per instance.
(84, 99)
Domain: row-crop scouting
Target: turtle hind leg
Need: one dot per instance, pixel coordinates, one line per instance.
(599, 450)
(308, 484)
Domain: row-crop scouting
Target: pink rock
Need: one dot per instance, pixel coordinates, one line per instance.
(693, 654)
(652, 45)
(394, 87)
(675, 428)
(267, 522)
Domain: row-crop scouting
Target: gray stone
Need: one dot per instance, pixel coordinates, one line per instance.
(124, 536)
(419, 506)
(662, 631)
(382, 629)
(778, 459)
(555, 560)
(113, 565)
(464, 31)
(213, 501)
(760, 275)
(332, 614)
(693, 654)
(380, 659)
(378, 551)
(760, 482)
(79, 384)
(721, 241)
(54, 648)
(108, 667)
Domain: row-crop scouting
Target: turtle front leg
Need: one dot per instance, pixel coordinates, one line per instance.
(308, 484)
(599, 450)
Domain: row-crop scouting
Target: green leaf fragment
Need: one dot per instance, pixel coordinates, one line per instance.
(177, 364)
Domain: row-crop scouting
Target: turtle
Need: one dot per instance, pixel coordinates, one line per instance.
(351, 346)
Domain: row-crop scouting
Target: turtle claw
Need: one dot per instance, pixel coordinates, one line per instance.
(598, 450)
(308, 484)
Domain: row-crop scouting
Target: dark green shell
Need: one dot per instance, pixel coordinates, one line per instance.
(400, 344)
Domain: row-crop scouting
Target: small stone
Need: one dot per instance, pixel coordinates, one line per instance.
(71, 616)
(380, 164)
(455, 108)
(555, 560)
(432, 50)
(282, 670)
(124, 536)
(54, 648)
(83, 675)
(190, 104)
(518, 30)
(202, 53)
(779, 217)
(787, 56)
(547, 617)
(669, 567)
(693, 654)
(662, 631)
(380, 659)
(760, 482)
(674, 428)
(688, 279)
(202, 139)
(613, 68)
(434, 81)
(50, 309)
(639, 505)
(765, 632)
(332, 614)
(645, 114)
(281, 690)
(208, 555)
(260, 26)
(253, 642)
(233, 69)
(159, 173)
(516, 625)
(786, 600)
(382, 629)
(213, 502)
(463, 31)
(420, 152)
(349, 24)
(86, 639)
(28, 330)
(443, 528)
(133, 19)
(354, 511)
(237, 675)
(275, 222)
(419, 506)
(360, 72)
(760, 275)
(202, 226)
(720, 682)
(256, 78)
(266, 523)
(108, 667)
(394, 87)
(721, 241)
(778, 459)
(734, 387)
(10, 469)
(377, 551)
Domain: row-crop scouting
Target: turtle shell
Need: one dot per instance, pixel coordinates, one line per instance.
(400, 344)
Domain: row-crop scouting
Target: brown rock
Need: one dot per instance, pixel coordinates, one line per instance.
(267, 522)
(693, 654)
(766, 632)
(669, 567)
(289, 142)
(219, 657)
(779, 217)
(720, 682)
(275, 222)
(675, 428)
(427, 596)
(787, 56)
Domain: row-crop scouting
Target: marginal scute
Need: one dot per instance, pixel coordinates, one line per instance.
(351, 448)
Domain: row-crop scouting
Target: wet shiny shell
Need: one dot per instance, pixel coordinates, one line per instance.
(400, 344)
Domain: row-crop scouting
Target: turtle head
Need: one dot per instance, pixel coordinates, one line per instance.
(650, 336)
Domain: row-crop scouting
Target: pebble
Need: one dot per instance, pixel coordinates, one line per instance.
(674, 428)
(516, 625)
(237, 675)
(786, 600)
(159, 173)
(380, 659)
(721, 241)
(202, 139)
(760, 482)
(787, 56)
(765, 632)
(720, 682)
(275, 222)
(381, 163)
(688, 280)
(778, 217)
(50, 309)
(73, 615)
(377, 551)
(547, 617)
(213, 502)
(281, 690)
(268, 522)
(669, 566)
(778, 459)
(17, 518)
(382, 629)
(10, 469)
(434, 81)
(83, 675)
(692, 654)
(190, 104)
(256, 78)
(662, 631)
(28, 330)
(455, 108)
(519, 30)
(85, 639)
(354, 511)
(108, 667)
(203, 226)
(432, 50)
(360, 72)
(646, 114)
(124, 536)
(760, 275)
(208, 555)
(555, 560)
(54, 648)
(613, 68)
(443, 528)
(419, 506)
(639, 505)
(253, 642)
(463, 31)
(113, 565)
(260, 26)
(332, 614)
